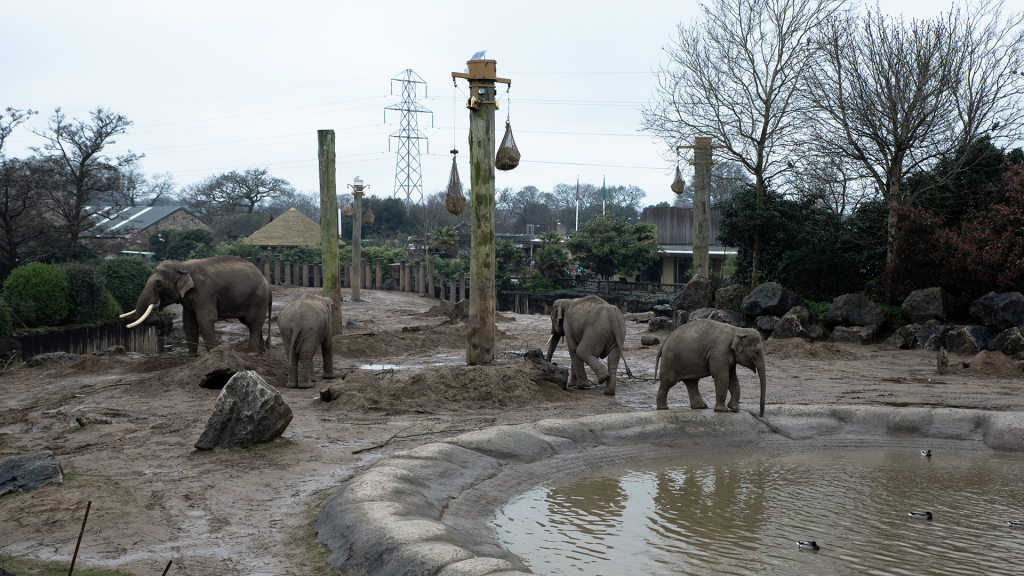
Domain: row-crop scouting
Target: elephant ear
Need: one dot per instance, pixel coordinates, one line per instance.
(739, 342)
(184, 283)
(560, 313)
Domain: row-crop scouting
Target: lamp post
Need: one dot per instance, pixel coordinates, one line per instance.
(356, 269)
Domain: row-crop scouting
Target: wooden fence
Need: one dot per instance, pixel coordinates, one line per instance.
(88, 339)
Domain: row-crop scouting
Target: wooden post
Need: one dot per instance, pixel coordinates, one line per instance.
(421, 278)
(266, 272)
(318, 275)
(379, 279)
(287, 272)
(277, 270)
(357, 244)
(348, 273)
(462, 287)
(401, 276)
(441, 287)
(365, 278)
(295, 271)
(454, 288)
(329, 224)
(702, 164)
(305, 275)
(430, 278)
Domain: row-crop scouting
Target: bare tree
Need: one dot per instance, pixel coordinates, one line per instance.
(236, 192)
(725, 177)
(77, 146)
(895, 98)
(734, 74)
(8, 123)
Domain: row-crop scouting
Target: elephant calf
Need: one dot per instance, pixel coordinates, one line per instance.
(305, 325)
(709, 348)
(593, 329)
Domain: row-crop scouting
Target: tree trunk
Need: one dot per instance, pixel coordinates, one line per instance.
(480, 325)
(329, 225)
(755, 268)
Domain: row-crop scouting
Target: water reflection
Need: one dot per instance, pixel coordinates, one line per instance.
(742, 514)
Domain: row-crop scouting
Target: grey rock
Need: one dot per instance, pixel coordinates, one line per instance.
(390, 284)
(29, 471)
(932, 335)
(111, 351)
(728, 317)
(928, 304)
(904, 338)
(852, 334)
(662, 310)
(969, 340)
(351, 323)
(999, 311)
(679, 317)
(699, 314)
(770, 299)
(50, 358)
(815, 332)
(854, 310)
(767, 323)
(696, 294)
(730, 297)
(797, 323)
(659, 323)
(1009, 342)
(248, 412)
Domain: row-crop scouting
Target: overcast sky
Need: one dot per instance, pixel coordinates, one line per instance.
(223, 85)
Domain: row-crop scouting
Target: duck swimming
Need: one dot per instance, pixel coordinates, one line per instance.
(1016, 523)
(808, 545)
(926, 453)
(920, 515)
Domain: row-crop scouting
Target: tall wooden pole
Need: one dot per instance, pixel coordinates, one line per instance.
(480, 324)
(357, 232)
(702, 206)
(329, 225)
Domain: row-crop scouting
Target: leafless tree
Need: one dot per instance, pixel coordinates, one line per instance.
(77, 147)
(895, 97)
(236, 192)
(734, 75)
(14, 117)
(725, 177)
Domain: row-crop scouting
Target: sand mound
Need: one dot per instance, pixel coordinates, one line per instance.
(987, 364)
(183, 371)
(89, 364)
(391, 343)
(800, 349)
(445, 389)
(442, 310)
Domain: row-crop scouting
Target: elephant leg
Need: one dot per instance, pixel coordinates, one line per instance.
(577, 374)
(613, 367)
(721, 390)
(734, 392)
(255, 337)
(696, 402)
(306, 368)
(662, 398)
(326, 350)
(191, 328)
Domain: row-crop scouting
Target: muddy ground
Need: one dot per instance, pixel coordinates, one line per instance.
(155, 498)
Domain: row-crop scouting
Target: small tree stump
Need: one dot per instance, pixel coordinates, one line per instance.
(326, 394)
(648, 340)
(545, 371)
(943, 361)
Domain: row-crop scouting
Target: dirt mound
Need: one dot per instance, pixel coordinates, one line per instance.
(445, 389)
(800, 349)
(442, 310)
(391, 343)
(183, 371)
(89, 364)
(987, 364)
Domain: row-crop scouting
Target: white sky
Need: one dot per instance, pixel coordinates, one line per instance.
(221, 85)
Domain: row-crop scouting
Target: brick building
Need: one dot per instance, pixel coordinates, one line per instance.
(118, 228)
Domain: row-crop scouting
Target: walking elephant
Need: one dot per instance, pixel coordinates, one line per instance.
(207, 289)
(305, 325)
(709, 348)
(593, 329)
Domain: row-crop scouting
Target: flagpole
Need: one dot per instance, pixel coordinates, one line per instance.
(577, 202)
(604, 194)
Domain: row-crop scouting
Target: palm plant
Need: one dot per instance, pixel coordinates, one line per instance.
(551, 238)
(444, 239)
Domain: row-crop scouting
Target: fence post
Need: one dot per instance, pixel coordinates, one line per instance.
(379, 278)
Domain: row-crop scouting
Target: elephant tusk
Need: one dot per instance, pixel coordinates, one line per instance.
(127, 314)
(549, 339)
(144, 316)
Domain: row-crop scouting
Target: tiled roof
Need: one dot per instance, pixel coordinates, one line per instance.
(293, 228)
(118, 220)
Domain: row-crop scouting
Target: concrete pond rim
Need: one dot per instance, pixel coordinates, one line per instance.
(427, 510)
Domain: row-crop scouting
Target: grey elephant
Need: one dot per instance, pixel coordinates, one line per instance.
(709, 348)
(593, 329)
(305, 325)
(207, 289)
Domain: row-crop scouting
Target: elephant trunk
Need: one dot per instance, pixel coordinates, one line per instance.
(143, 317)
(552, 344)
(148, 300)
(760, 374)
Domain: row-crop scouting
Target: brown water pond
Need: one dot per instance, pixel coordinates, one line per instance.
(744, 513)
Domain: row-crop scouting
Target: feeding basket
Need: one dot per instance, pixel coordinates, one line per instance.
(454, 201)
(507, 157)
(678, 185)
(347, 210)
(368, 217)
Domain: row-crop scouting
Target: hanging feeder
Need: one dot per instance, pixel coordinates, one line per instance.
(368, 217)
(454, 201)
(678, 185)
(347, 210)
(507, 157)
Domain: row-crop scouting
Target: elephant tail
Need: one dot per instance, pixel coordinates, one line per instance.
(657, 360)
(270, 305)
(622, 351)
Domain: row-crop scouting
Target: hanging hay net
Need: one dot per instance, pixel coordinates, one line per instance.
(347, 210)
(455, 202)
(508, 155)
(368, 217)
(678, 185)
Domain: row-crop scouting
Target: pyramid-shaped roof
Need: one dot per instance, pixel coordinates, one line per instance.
(293, 228)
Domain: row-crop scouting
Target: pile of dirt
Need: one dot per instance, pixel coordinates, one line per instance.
(183, 371)
(800, 349)
(392, 343)
(442, 310)
(987, 364)
(445, 389)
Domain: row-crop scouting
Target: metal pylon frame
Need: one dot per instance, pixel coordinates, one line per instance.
(408, 173)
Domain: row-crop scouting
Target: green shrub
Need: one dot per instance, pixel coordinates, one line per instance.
(182, 244)
(37, 294)
(892, 313)
(238, 248)
(6, 321)
(109, 308)
(125, 278)
(538, 283)
(85, 292)
(819, 308)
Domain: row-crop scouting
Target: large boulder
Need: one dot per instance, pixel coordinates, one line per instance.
(717, 315)
(999, 311)
(969, 340)
(248, 412)
(1009, 342)
(730, 297)
(904, 337)
(767, 323)
(699, 314)
(932, 335)
(852, 334)
(697, 293)
(29, 471)
(770, 299)
(928, 304)
(662, 310)
(659, 323)
(797, 323)
(854, 310)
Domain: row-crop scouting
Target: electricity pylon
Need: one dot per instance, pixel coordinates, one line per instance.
(408, 174)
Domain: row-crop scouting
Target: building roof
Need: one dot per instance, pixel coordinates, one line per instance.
(117, 221)
(675, 225)
(247, 224)
(293, 228)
